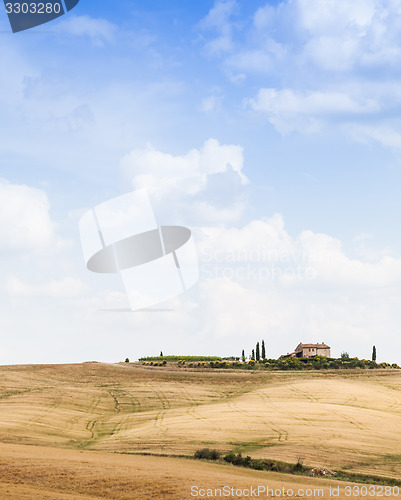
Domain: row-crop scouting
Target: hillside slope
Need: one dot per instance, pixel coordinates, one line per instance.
(338, 420)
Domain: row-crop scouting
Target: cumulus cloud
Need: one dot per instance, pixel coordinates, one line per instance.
(310, 260)
(25, 222)
(319, 62)
(334, 35)
(333, 16)
(288, 110)
(259, 240)
(285, 317)
(186, 179)
(335, 269)
(259, 281)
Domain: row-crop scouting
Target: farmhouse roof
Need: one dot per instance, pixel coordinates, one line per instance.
(317, 346)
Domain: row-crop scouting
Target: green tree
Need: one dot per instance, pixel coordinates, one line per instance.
(243, 356)
(127, 360)
(161, 354)
(345, 356)
(374, 353)
(253, 354)
(257, 351)
(263, 350)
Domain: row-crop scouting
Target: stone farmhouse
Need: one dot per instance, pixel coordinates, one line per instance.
(309, 350)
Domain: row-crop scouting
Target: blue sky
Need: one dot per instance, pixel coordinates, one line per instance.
(275, 129)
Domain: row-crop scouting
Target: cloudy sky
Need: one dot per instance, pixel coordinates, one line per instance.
(272, 130)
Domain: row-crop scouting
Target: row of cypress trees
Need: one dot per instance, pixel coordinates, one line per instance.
(257, 354)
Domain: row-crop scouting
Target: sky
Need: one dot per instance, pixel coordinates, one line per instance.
(271, 129)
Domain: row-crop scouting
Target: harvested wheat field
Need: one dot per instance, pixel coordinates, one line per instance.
(345, 419)
(35, 472)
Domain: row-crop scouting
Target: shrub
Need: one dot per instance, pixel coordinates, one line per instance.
(238, 460)
(258, 465)
(180, 358)
(127, 360)
(229, 457)
(207, 454)
(299, 466)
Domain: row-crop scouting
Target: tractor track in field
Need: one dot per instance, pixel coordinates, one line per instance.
(164, 407)
(280, 434)
(266, 397)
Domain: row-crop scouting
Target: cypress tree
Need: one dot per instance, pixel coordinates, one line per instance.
(374, 353)
(161, 354)
(243, 356)
(257, 351)
(253, 354)
(263, 350)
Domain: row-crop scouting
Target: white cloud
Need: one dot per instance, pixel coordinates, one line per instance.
(161, 173)
(185, 179)
(385, 134)
(334, 16)
(235, 310)
(25, 222)
(289, 110)
(311, 260)
(260, 240)
(334, 35)
(318, 62)
(314, 292)
(335, 269)
(284, 318)
(219, 19)
(99, 31)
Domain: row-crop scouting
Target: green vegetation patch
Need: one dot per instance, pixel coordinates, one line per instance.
(298, 468)
(181, 358)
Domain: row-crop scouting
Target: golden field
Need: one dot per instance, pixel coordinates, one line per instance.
(36, 472)
(75, 415)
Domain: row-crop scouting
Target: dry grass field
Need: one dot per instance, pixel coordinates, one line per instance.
(35, 472)
(349, 420)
